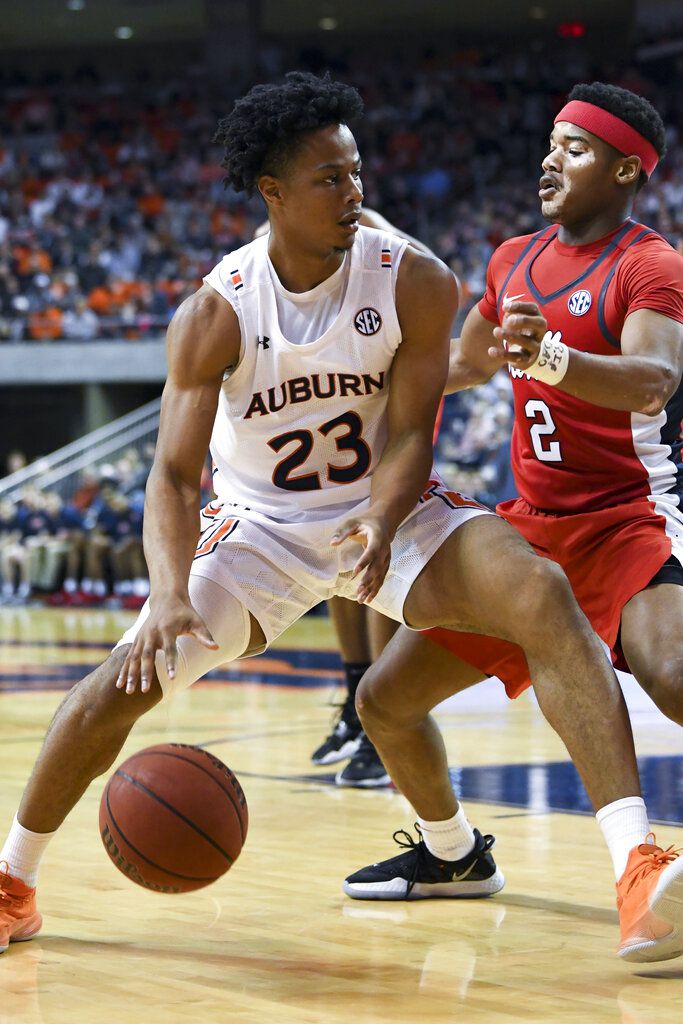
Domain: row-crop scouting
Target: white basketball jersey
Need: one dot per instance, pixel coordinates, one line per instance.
(300, 427)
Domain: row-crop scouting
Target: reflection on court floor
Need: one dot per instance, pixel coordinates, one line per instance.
(276, 940)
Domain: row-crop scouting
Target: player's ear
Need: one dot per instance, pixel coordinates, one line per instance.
(628, 170)
(269, 187)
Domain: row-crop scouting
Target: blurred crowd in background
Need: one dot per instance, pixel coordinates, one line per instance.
(112, 208)
(85, 549)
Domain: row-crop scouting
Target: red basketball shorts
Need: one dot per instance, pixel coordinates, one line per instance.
(608, 556)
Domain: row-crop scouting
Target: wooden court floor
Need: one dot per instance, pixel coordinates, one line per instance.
(276, 940)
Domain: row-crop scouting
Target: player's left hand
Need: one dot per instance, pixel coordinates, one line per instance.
(520, 335)
(370, 531)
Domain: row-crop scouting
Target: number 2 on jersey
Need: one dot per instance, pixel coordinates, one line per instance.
(541, 429)
(351, 441)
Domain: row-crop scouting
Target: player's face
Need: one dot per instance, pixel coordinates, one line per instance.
(577, 183)
(322, 192)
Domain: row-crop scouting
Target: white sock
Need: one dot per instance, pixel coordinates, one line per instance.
(23, 851)
(624, 824)
(70, 586)
(452, 839)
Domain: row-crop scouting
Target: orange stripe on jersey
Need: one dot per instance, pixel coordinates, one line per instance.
(211, 510)
(436, 489)
(461, 501)
(210, 543)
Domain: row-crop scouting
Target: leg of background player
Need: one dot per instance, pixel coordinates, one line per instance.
(380, 630)
(351, 626)
(365, 770)
(651, 641)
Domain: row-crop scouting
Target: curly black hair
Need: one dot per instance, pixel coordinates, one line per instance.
(633, 109)
(265, 128)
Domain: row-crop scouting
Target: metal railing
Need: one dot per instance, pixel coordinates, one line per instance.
(60, 471)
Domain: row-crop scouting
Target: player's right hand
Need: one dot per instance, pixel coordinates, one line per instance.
(371, 532)
(168, 619)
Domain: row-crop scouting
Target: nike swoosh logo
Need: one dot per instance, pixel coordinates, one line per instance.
(460, 877)
(507, 299)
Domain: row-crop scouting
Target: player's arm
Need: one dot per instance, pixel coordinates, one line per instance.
(470, 363)
(642, 380)
(426, 302)
(203, 340)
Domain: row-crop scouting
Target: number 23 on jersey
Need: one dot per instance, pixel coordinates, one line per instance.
(284, 473)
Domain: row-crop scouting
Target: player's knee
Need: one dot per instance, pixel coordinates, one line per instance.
(545, 598)
(376, 708)
(664, 684)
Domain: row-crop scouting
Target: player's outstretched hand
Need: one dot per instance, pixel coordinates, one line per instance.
(520, 334)
(370, 531)
(168, 619)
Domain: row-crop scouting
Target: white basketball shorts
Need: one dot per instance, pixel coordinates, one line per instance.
(278, 571)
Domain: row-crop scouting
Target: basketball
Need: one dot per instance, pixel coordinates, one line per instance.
(173, 818)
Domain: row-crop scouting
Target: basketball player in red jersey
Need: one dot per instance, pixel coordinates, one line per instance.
(587, 314)
(268, 363)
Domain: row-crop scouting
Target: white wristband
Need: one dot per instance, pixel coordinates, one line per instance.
(552, 361)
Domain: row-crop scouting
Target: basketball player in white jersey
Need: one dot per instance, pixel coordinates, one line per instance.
(313, 361)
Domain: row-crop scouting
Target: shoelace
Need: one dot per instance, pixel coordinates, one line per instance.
(655, 855)
(5, 896)
(8, 898)
(419, 848)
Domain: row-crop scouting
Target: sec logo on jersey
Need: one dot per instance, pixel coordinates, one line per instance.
(367, 321)
(579, 302)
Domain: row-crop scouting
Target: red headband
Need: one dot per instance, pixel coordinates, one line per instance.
(610, 129)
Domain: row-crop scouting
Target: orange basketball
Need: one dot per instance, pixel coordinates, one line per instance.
(173, 818)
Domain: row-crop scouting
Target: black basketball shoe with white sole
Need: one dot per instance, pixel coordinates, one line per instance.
(365, 769)
(344, 739)
(418, 875)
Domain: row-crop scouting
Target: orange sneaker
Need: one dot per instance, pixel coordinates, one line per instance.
(650, 904)
(19, 917)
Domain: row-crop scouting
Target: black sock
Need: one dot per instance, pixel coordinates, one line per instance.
(354, 671)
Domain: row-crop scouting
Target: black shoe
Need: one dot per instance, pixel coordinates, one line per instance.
(419, 875)
(344, 738)
(365, 769)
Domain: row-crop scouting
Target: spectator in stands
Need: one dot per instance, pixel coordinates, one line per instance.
(113, 548)
(15, 461)
(80, 323)
(10, 536)
(21, 564)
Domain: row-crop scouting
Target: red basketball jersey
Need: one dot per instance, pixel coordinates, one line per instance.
(569, 455)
